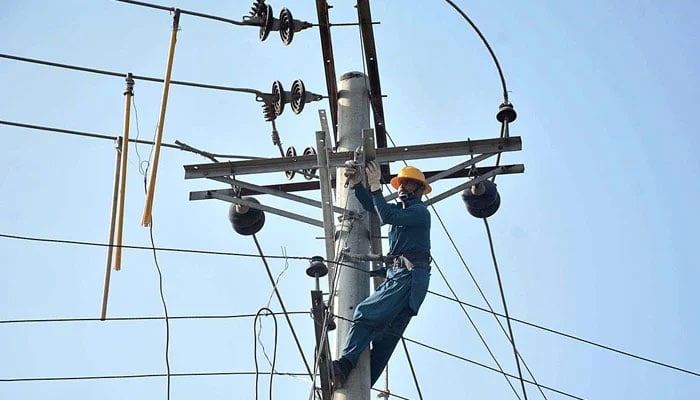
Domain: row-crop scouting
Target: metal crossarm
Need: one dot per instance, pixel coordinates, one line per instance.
(384, 155)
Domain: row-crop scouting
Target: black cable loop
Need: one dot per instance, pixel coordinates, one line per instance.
(488, 47)
(255, 350)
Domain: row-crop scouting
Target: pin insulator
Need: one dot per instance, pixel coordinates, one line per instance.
(506, 113)
(316, 267)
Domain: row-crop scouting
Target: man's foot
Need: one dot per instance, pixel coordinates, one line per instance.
(341, 369)
(339, 376)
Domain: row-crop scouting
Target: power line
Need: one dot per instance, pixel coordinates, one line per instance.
(488, 47)
(123, 75)
(507, 375)
(505, 308)
(586, 341)
(222, 253)
(490, 368)
(140, 376)
(144, 318)
(193, 13)
(178, 145)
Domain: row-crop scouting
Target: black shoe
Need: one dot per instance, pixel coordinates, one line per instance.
(339, 376)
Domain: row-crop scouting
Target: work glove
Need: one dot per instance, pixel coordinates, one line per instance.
(374, 175)
(352, 173)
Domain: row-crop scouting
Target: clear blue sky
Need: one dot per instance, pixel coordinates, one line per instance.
(598, 239)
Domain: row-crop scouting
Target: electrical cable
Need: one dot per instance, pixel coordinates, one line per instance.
(413, 370)
(221, 253)
(269, 301)
(445, 352)
(483, 295)
(193, 13)
(255, 352)
(165, 311)
(112, 138)
(491, 368)
(284, 308)
(140, 376)
(162, 297)
(143, 318)
(135, 77)
(505, 307)
(488, 47)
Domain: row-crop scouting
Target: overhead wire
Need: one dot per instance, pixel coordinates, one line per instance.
(306, 258)
(284, 308)
(505, 307)
(112, 138)
(122, 75)
(187, 12)
(138, 318)
(267, 305)
(256, 339)
(165, 310)
(140, 376)
(456, 356)
(488, 47)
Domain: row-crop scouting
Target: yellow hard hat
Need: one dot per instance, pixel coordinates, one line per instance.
(409, 172)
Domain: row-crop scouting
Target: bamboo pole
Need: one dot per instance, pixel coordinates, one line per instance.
(110, 248)
(148, 208)
(128, 93)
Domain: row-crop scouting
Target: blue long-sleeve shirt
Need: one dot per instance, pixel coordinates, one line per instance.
(410, 226)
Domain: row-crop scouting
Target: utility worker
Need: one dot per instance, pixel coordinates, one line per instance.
(383, 316)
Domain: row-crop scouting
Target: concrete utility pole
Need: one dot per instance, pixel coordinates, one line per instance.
(352, 285)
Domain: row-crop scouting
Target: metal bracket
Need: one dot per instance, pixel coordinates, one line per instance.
(234, 200)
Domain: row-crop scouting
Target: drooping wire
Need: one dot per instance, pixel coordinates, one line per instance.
(488, 47)
(165, 310)
(193, 13)
(255, 349)
(269, 301)
(162, 296)
(109, 137)
(505, 307)
(136, 77)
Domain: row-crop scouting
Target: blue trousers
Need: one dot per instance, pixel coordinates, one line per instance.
(382, 317)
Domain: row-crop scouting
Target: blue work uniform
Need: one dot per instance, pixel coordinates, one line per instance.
(383, 316)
